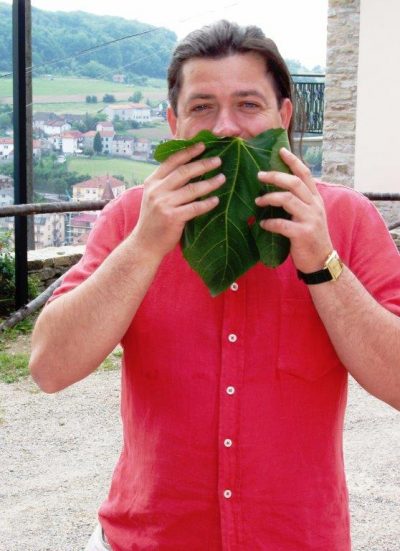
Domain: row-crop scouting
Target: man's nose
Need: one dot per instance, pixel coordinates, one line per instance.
(226, 125)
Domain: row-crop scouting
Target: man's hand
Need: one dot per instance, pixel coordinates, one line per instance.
(307, 229)
(169, 201)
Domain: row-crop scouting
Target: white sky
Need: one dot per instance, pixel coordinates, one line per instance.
(297, 26)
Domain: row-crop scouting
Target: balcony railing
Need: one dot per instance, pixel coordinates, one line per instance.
(309, 103)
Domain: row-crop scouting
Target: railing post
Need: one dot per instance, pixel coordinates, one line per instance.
(20, 151)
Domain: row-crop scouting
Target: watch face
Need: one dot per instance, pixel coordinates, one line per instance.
(335, 268)
(334, 265)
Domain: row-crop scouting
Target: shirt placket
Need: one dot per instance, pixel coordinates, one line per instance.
(232, 366)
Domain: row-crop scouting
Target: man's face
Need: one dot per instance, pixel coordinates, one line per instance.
(231, 96)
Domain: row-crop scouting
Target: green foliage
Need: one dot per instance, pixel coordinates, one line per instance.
(57, 35)
(134, 172)
(136, 97)
(91, 99)
(49, 176)
(97, 143)
(13, 367)
(7, 271)
(89, 122)
(94, 69)
(223, 244)
(109, 98)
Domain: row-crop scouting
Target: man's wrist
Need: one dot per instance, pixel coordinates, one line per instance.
(331, 271)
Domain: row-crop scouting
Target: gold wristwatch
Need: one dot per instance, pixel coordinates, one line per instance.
(331, 271)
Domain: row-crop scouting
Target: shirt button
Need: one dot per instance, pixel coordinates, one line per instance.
(228, 442)
(227, 494)
(234, 286)
(230, 390)
(232, 337)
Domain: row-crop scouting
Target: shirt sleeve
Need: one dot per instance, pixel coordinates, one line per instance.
(374, 257)
(109, 230)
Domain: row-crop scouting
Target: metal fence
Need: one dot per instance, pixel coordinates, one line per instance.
(309, 104)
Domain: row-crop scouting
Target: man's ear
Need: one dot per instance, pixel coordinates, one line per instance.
(172, 120)
(286, 110)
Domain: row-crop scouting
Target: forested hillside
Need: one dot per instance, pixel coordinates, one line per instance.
(59, 35)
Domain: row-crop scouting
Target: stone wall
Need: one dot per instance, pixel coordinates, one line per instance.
(50, 263)
(341, 92)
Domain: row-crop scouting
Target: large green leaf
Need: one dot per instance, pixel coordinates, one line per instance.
(223, 244)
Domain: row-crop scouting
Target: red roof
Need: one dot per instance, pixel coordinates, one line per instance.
(8, 141)
(90, 134)
(55, 123)
(75, 134)
(84, 217)
(106, 133)
(100, 182)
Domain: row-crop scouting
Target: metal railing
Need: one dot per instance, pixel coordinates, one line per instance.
(309, 103)
(39, 208)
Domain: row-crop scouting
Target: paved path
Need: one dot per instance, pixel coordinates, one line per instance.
(57, 453)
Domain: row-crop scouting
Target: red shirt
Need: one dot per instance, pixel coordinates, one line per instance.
(233, 406)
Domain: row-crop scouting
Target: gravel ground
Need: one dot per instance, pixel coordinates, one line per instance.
(57, 454)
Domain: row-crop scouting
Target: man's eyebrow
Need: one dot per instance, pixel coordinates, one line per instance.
(239, 94)
(246, 93)
(194, 97)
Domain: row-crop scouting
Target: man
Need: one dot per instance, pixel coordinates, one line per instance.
(232, 406)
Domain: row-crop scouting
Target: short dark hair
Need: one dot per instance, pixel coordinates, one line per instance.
(222, 39)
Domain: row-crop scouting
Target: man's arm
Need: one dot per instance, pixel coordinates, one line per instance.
(364, 334)
(75, 332)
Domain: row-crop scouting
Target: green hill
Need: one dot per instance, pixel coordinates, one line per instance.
(65, 36)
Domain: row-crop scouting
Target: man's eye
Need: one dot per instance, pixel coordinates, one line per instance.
(201, 107)
(249, 105)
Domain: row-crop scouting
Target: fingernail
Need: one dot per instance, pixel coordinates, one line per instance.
(220, 178)
(216, 161)
(262, 174)
(284, 150)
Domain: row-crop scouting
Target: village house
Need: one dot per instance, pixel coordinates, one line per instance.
(88, 139)
(138, 112)
(49, 230)
(6, 181)
(36, 149)
(104, 125)
(40, 118)
(119, 78)
(6, 196)
(123, 146)
(56, 127)
(79, 227)
(142, 149)
(71, 142)
(6, 199)
(6, 149)
(99, 187)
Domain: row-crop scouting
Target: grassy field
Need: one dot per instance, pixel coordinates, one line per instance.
(63, 86)
(159, 132)
(133, 171)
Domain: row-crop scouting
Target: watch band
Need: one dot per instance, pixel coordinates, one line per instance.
(313, 278)
(332, 269)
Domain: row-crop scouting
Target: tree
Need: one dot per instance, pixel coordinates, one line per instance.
(136, 97)
(108, 98)
(97, 143)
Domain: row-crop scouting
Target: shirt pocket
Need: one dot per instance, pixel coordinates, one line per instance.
(305, 349)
